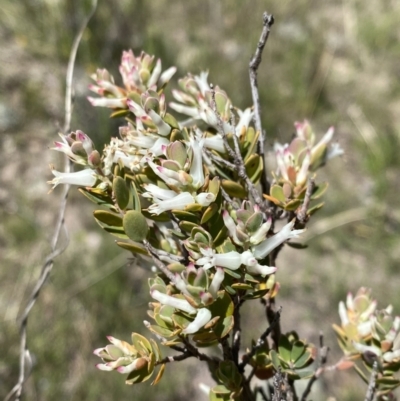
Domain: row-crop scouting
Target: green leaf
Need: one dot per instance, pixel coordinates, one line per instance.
(135, 197)
(296, 245)
(187, 226)
(187, 216)
(298, 349)
(116, 231)
(133, 247)
(277, 193)
(296, 375)
(304, 360)
(319, 190)
(106, 217)
(234, 189)
(101, 199)
(292, 205)
(275, 359)
(209, 212)
(284, 348)
(135, 225)
(315, 208)
(121, 192)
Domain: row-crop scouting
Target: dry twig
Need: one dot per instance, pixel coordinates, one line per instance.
(322, 359)
(302, 214)
(268, 21)
(56, 249)
(372, 383)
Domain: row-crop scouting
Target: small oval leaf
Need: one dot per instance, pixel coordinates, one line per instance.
(135, 225)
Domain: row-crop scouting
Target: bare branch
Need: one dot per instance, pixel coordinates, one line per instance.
(159, 264)
(237, 331)
(56, 250)
(278, 384)
(302, 214)
(268, 21)
(322, 359)
(372, 383)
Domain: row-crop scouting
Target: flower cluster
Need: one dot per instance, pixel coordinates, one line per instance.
(370, 335)
(298, 161)
(173, 195)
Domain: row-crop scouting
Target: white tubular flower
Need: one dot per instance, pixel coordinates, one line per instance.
(333, 151)
(187, 110)
(183, 97)
(202, 318)
(135, 365)
(166, 76)
(301, 176)
(155, 74)
(215, 143)
(369, 311)
(142, 141)
(207, 114)
(83, 178)
(230, 260)
(362, 348)
(196, 168)
(130, 161)
(108, 86)
(163, 128)
(261, 250)
(280, 160)
(260, 234)
(205, 198)
(216, 282)
(202, 82)
(391, 355)
(65, 148)
(177, 303)
(262, 270)
(162, 173)
(154, 191)
(343, 314)
(245, 118)
(136, 109)
(252, 266)
(350, 301)
(179, 202)
(364, 329)
(157, 148)
(107, 102)
(231, 226)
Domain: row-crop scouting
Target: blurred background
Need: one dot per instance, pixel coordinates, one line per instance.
(332, 62)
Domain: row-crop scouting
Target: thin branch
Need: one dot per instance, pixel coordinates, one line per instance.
(278, 385)
(322, 359)
(226, 349)
(272, 313)
(372, 383)
(159, 264)
(268, 21)
(290, 389)
(302, 214)
(236, 155)
(16, 391)
(237, 331)
(260, 342)
(196, 353)
(174, 358)
(219, 160)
